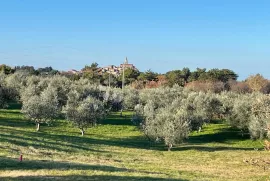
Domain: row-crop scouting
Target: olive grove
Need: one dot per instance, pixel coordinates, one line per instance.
(163, 114)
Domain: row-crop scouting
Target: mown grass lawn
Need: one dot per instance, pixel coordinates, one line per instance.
(116, 150)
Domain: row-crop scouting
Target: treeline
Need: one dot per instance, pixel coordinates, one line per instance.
(29, 70)
(164, 114)
(215, 80)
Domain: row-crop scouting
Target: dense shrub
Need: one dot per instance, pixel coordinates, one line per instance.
(239, 87)
(257, 82)
(206, 86)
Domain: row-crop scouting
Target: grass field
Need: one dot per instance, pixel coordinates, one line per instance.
(116, 150)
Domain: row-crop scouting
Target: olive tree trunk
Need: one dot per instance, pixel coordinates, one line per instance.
(169, 147)
(82, 131)
(38, 126)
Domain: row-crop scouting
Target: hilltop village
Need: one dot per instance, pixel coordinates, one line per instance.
(111, 69)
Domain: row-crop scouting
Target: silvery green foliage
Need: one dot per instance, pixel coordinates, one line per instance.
(33, 80)
(175, 126)
(30, 91)
(191, 107)
(227, 99)
(15, 83)
(241, 112)
(41, 108)
(259, 126)
(62, 85)
(44, 83)
(3, 97)
(2, 77)
(200, 108)
(161, 96)
(168, 124)
(85, 88)
(251, 112)
(131, 98)
(113, 98)
(83, 112)
(209, 104)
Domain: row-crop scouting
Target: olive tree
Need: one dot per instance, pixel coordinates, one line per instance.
(193, 109)
(251, 112)
(6, 93)
(86, 88)
(29, 92)
(166, 124)
(241, 112)
(83, 112)
(3, 97)
(113, 98)
(227, 100)
(62, 85)
(161, 96)
(259, 125)
(15, 83)
(131, 98)
(41, 108)
(200, 107)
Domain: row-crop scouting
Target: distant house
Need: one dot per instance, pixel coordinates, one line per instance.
(131, 66)
(73, 71)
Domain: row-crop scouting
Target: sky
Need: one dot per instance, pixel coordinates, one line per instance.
(160, 35)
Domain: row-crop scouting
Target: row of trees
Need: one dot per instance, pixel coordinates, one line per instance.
(91, 72)
(30, 70)
(170, 114)
(215, 80)
(45, 99)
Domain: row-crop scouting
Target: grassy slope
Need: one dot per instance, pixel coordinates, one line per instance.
(115, 150)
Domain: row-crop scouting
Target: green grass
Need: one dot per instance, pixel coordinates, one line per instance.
(116, 150)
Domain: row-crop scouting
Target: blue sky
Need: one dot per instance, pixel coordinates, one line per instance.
(153, 34)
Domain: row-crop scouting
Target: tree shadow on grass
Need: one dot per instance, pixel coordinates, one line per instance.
(84, 178)
(14, 105)
(16, 122)
(8, 111)
(35, 141)
(69, 143)
(63, 142)
(223, 135)
(210, 148)
(115, 119)
(8, 164)
(13, 164)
